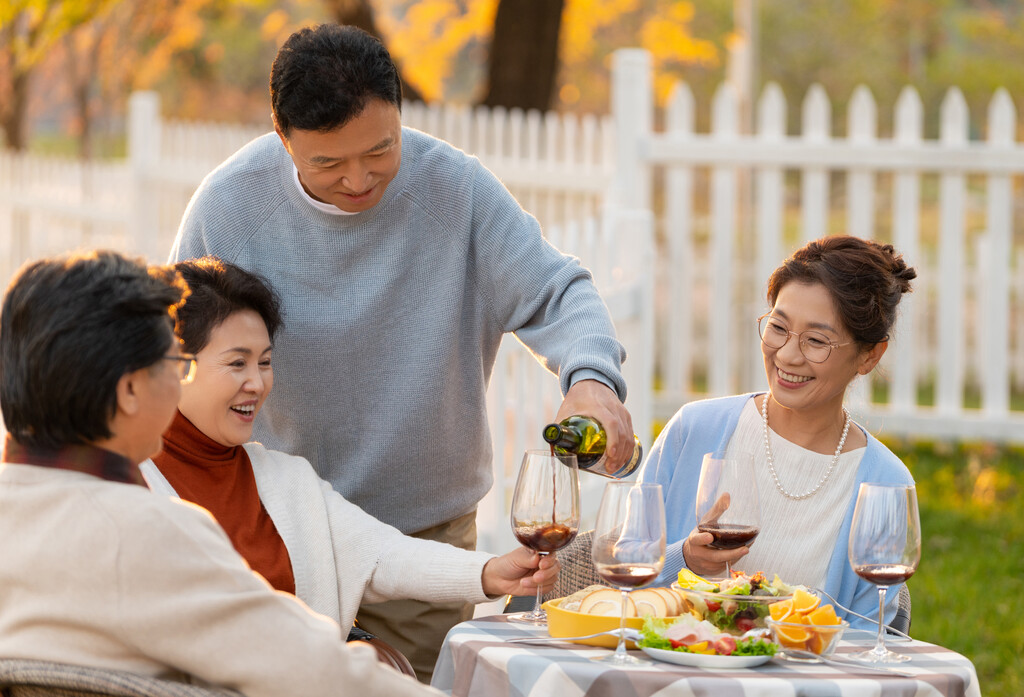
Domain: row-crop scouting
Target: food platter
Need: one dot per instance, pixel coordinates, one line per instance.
(701, 660)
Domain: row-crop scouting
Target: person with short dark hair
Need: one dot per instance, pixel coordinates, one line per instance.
(832, 306)
(97, 570)
(289, 524)
(402, 262)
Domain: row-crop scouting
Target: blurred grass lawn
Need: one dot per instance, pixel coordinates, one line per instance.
(969, 589)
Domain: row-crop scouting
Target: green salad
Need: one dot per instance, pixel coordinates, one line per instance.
(690, 635)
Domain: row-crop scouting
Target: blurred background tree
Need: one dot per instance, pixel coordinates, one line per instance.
(67, 66)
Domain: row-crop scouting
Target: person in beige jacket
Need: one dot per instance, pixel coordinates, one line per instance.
(98, 571)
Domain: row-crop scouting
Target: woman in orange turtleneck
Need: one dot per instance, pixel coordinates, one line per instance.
(290, 525)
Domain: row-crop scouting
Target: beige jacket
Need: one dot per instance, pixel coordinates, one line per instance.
(109, 575)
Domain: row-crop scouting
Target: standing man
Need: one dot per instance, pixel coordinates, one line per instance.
(401, 262)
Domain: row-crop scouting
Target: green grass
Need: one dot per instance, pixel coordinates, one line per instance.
(969, 589)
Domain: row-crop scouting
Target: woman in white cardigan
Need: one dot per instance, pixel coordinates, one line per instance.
(291, 526)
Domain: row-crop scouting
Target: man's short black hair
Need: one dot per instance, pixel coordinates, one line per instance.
(325, 75)
(218, 289)
(70, 328)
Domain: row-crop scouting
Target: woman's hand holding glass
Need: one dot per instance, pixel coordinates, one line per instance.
(520, 572)
(728, 514)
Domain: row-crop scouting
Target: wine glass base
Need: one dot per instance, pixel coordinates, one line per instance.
(879, 656)
(616, 659)
(537, 619)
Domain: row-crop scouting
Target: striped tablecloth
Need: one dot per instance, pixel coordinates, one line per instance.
(475, 661)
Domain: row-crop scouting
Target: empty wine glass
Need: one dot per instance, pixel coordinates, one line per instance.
(629, 545)
(545, 511)
(728, 505)
(885, 548)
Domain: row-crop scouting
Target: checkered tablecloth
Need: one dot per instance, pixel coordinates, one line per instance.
(476, 661)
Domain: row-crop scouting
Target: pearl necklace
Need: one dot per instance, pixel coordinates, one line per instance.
(771, 460)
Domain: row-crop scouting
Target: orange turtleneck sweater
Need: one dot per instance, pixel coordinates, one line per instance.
(220, 479)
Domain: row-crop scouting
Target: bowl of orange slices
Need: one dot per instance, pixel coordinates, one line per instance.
(804, 624)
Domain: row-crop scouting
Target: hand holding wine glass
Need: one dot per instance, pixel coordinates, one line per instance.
(629, 544)
(885, 548)
(728, 507)
(545, 510)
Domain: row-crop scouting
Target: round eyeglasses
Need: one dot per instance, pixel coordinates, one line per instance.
(815, 346)
(186, 363)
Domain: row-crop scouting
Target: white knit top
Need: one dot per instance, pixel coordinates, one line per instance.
(797, 537)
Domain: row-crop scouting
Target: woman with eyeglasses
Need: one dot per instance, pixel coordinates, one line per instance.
(832, 308)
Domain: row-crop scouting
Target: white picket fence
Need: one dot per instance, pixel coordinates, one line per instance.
(681, 230)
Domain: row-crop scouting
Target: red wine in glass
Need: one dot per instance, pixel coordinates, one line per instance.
(728, 536)
(545, 538)
(884, 574)
(628, 575)
(545, 511)
(884, 549)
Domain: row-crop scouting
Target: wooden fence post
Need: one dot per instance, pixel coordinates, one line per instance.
(143, 156)
(633, 109)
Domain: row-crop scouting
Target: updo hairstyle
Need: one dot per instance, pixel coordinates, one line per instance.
(866, 280)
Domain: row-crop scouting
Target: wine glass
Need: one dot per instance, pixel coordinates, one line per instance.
(629, 545)
(728, 505)
(545, 511)
(885, 548)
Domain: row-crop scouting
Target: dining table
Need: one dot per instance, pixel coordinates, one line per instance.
(478, 660)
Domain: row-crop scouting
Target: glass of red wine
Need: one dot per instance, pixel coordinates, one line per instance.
(885, 548)
(728, 505)
(629, 545)
(545, 511)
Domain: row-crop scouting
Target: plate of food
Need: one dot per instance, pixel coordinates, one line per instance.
(735, 605)
(688, 641)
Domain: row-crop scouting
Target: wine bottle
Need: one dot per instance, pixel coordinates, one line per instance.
(585, 437)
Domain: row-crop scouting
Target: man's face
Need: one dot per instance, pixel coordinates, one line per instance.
(351, 166)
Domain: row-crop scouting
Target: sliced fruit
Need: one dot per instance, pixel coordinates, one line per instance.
(821, 638)
(804, 602)
(606, 602)
(781, 610)
(701, 647)
(649, 601)
(824, 615)
(688, 579)
(791, 636)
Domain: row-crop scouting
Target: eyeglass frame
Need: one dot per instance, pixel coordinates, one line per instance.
(187, 373)
(799, 342)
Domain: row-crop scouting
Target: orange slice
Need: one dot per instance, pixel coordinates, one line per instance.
(804, 602)
(781, 610)
(792, 637)
(824, 615)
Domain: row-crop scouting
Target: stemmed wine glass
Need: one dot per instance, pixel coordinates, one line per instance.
(885, 548)
(545, 511)
(728, 505)
(629, 545)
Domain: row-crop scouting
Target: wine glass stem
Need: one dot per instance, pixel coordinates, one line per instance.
(728, 570)
(620, 648)
(879, 649)
(536, 602)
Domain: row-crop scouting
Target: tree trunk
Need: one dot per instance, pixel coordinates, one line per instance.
(359, 13)
(524, 54)
(13, 122)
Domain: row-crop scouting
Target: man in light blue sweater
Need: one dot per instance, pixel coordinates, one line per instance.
(401, 262)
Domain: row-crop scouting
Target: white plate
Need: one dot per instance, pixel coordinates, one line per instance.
(701, 660)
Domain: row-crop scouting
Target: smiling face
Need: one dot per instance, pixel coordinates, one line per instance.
(233, 378)
(797, 383)
(351, 166)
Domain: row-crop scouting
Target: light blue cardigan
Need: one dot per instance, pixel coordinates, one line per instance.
(707, 425)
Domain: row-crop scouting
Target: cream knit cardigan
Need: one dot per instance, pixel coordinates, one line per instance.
(342, 556)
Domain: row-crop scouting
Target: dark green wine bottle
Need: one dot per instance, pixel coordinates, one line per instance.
(585, 437)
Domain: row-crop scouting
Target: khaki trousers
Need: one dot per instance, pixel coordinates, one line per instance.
(417, 628)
